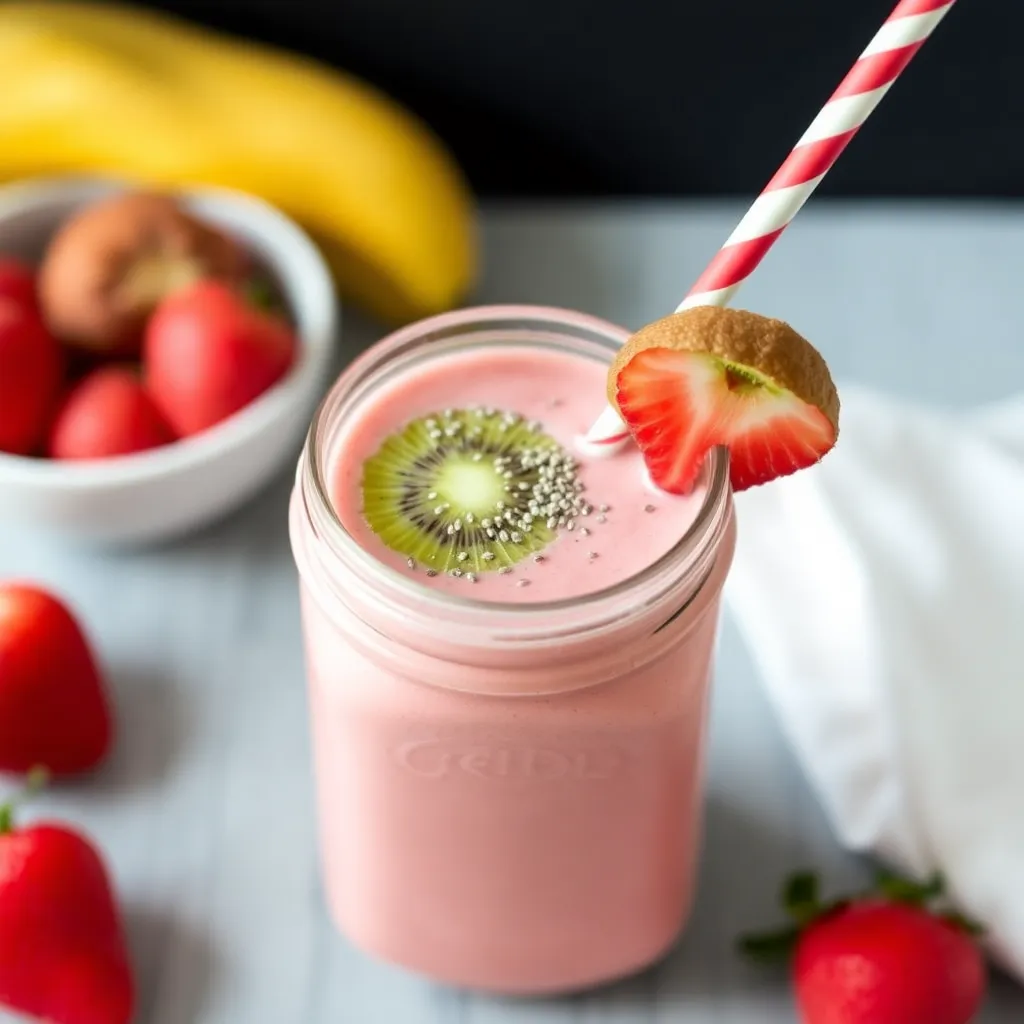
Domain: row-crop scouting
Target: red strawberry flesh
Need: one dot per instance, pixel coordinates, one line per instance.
(887, 963)
(54, 709)
(62, 950)
(896, 954)
(681, 392)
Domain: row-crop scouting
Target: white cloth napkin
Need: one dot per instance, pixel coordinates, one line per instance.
(881, 595)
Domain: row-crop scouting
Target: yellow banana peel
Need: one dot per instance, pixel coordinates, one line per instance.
(103, 89)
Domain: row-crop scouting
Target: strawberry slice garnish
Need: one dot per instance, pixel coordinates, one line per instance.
(708, 377)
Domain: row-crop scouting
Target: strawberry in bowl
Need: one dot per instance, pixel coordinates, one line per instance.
(96, 446)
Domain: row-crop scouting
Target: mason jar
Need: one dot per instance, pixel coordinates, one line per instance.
(509, 795)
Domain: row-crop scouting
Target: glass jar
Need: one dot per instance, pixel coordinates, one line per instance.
(509, 795)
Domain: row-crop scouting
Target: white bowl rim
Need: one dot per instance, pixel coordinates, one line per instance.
(285, 241)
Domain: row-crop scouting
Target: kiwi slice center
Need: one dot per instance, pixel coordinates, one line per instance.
(470, 491)
(473, 487)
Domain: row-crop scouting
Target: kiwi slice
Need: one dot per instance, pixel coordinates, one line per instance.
(469, 491)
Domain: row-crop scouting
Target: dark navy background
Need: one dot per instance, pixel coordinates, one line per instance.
(669, 97)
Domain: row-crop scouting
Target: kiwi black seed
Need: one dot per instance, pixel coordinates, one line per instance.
(470, 491)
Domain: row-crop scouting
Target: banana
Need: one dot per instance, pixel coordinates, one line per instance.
(104, 89)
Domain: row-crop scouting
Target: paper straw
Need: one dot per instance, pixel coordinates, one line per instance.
(870, 78)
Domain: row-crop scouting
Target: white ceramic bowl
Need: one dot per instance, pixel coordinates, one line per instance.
(167, 491)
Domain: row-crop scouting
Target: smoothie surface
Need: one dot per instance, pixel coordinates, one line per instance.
(631, 524)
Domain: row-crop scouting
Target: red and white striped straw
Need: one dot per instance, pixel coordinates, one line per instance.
(896, 42)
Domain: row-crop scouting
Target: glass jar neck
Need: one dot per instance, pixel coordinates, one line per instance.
(339, 569)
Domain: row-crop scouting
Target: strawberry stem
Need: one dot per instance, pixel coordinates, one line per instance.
(34, 781)
(259, 294)
(801, 900)
(770, 947)
(963, 923)
(902, 890)
(800, 897)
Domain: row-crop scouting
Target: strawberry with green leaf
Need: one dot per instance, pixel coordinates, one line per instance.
(63, 957)
(890, 956)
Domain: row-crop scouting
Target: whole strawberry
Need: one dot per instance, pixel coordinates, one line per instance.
(54, 709)
(107, 414)
(62, 950)
(31, 368)
(884, 957)
(208, 353)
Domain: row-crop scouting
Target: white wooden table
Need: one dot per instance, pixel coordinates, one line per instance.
(206, 810)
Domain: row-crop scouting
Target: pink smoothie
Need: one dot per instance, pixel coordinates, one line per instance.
(508, 814)
(564, 393)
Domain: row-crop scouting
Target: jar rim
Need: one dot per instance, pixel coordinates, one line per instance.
(701, 536)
